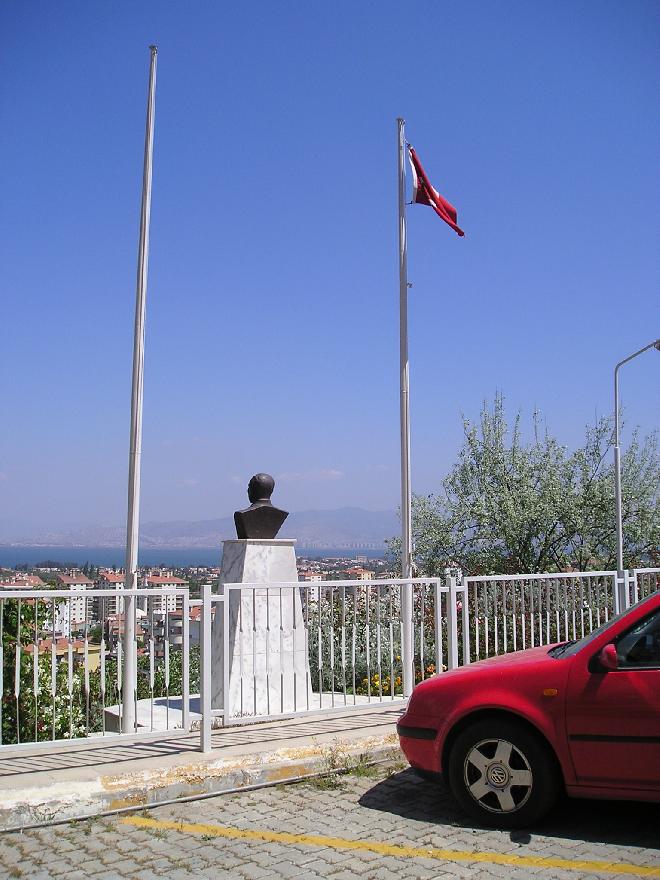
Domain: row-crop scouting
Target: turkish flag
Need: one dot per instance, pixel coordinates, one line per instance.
(425, 194)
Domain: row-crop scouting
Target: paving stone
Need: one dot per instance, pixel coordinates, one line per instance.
(253, 871)
(109, 875)
(398, 810)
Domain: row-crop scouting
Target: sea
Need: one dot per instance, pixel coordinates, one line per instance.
(10, 557)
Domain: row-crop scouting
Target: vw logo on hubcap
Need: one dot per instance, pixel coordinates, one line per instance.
(497, 775)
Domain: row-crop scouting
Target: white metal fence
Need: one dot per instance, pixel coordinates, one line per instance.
(514, 612)
(269, 650)
(642, 582)
(61, 663)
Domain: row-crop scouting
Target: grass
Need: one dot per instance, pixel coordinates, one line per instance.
(84, 825)
(365, 771)
(326, 783)
(157, 832)
(341, 765)
(397, 766)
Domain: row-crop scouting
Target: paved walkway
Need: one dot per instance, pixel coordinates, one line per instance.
(250, 738)
(100, 777)
(373, 825)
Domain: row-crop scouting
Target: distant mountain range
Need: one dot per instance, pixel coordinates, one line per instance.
(347, 527)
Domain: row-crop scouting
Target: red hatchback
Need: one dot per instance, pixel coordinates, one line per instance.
(510, 732)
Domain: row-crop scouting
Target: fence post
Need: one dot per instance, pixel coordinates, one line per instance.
(635, 585)
(629, 585)
(437, 596)
(407, 639)
(226, 605)
(185, 663)
(205, 677)
(465, 616)
(452, 626)
(620, 591)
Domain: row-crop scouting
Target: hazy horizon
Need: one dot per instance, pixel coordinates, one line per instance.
(6, 523)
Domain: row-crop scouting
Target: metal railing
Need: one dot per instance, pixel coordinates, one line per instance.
(643, 582)
(286, 649)
(61, 657)
(269, 650)
(514, 612)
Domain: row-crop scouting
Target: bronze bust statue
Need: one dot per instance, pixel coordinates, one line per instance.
(260, 519)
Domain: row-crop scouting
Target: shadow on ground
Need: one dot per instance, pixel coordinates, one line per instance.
(99, 751)
(615, 822)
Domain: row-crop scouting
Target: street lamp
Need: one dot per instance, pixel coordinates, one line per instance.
(617, 458)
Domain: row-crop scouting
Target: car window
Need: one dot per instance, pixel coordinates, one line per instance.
(570, 648)
(639, 648)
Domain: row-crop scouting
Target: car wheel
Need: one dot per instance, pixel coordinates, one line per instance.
(502, 774)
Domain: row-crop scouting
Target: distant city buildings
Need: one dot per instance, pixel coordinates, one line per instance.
(10, 580)
(87, 619)
(329, 568)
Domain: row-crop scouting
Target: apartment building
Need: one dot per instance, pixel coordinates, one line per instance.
(167, 602)
(75, 612)
(113, 605)
(360, 574)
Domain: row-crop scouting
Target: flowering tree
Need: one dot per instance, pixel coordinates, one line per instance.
(512, 506)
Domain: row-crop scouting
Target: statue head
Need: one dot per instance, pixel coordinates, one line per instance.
(260, 488)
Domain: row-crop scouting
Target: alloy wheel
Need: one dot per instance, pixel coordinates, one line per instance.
(497, 775)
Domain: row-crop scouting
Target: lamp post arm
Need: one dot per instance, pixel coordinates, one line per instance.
(654, 344)
(621, 598)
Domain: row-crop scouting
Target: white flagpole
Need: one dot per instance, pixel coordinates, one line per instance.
(406, 501)
(129, 678)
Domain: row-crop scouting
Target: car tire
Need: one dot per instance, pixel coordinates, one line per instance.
(503, 774)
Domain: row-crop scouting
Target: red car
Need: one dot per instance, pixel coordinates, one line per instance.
(509, 733)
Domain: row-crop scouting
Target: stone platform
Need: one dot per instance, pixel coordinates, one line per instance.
(167, 714)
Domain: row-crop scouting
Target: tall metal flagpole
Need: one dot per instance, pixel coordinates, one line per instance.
(406, 502)
(129, 676)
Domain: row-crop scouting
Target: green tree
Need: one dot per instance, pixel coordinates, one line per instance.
(509, 506)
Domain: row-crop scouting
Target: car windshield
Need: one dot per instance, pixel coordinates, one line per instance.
(567, 649)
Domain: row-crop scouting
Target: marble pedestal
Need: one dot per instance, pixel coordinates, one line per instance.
(259, 643)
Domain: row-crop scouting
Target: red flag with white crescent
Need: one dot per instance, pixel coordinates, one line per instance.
(425, 194)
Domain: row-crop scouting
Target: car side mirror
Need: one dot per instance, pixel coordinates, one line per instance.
(608, 658)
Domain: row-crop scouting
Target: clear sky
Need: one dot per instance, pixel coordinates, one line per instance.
(272, 310)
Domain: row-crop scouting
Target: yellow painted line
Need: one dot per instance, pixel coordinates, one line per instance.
(388, 849)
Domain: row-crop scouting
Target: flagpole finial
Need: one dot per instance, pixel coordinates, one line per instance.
(153, 49)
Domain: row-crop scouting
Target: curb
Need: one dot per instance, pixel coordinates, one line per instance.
(69, 801)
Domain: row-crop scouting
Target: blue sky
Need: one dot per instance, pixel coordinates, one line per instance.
(272, 313)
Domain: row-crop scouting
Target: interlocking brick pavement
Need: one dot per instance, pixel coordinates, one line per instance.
(390, 807)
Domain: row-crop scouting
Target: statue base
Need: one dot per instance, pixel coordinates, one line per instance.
(259, 641)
